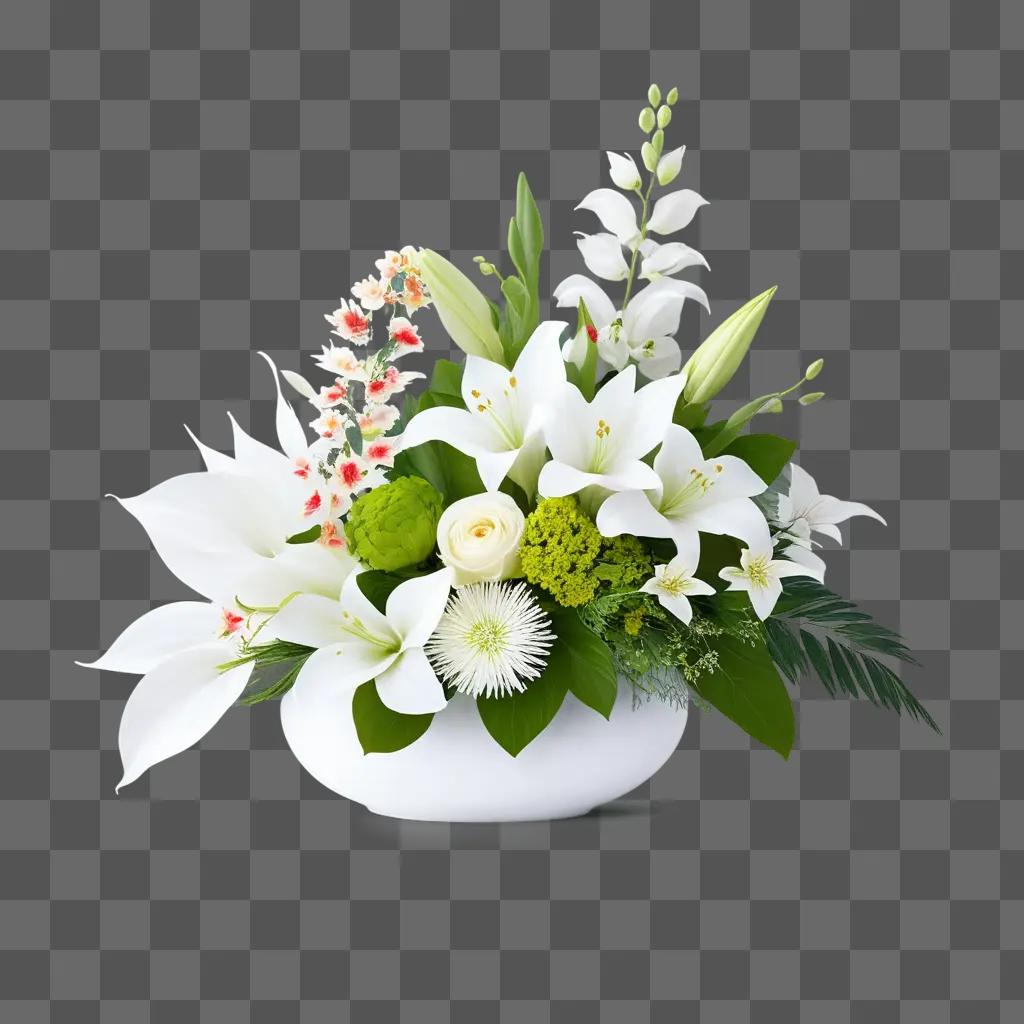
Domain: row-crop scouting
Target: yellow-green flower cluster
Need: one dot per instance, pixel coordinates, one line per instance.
(559, 547)
(563, 552)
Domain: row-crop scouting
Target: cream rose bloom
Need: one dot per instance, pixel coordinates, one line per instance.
(479, 538)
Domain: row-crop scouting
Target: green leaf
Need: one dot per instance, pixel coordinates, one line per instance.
(381, 730)
(588, 372)
(446, 380)
(746, 688)
(515, 720)
(531, 229)
(376, 585)
(588, 663)
(354, 436)
(716, 552)
(306, 537)
(765, 454)
(690, 416)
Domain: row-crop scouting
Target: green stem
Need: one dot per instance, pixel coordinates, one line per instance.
(645, 197)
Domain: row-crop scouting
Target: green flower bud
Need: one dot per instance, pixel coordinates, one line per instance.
(772, 405)
(673, 96)
(811, 397)
(461, 306)
(664, 116)
(814, 369)
(394, 526)
(647, 120)
(649, 155)
(711, 367)
(658, 141)
(653, 95)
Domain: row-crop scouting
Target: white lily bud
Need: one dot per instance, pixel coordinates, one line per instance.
(669, 165)
(624, 171)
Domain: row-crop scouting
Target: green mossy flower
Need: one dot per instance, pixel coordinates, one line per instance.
(559, 547)
(395, 525)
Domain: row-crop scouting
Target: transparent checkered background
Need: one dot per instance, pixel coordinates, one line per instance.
(184, 183)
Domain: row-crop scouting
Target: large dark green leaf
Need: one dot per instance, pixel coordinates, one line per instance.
(376, 585)
(515, 720)
(747, 688)
(765, 454)
(381, 730)
(588, 662)
(446, 381)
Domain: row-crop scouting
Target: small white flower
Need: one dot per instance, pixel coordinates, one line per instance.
(761, 577)
(369, 292)
(674, 584)
(492, 640)
(806, 508)
(342, 362)
(623, 171)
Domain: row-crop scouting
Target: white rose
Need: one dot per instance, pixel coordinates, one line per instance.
(479, 538)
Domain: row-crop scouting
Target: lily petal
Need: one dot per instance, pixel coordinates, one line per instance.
(763, 599)
(215, 461)
(615, 212)
(658, 357)
(176, 704)
(296, 569)
(493, 467)
(602, 254)
(311, 620)
(159, 634)
(673, 212)
(575, 287)
(415, 607)
(557, 479)
(290, 434)
(670, 259)
(410, 686)
(631, 512)
(739, 518)
(458, 427)
(658, 401)
(623, 170)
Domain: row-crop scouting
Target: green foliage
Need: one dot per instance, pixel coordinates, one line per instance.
(623, 563)
(394, 526)
(766, 454)
(521, 292)
(843, 658)
(267, 681)
(306, 536)
(381, 730)
(377, 585)
(592, 677)
(746, 688)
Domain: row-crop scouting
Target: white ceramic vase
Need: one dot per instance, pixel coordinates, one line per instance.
(456, 772)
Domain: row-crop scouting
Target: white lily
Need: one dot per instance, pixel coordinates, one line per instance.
(623, 171)
(177, 648)
(821, 513)
(674, 584)
(692, 495)
(356, 643)
(761, 577)
(643, 332)
(502, 424)
(615, 212)
(601, 443)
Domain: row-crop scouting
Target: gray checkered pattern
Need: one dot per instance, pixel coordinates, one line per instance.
(184, 183)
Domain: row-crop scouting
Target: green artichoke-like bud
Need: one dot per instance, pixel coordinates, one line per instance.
(395, 525)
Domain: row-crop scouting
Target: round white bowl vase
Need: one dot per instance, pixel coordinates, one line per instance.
(456, 771)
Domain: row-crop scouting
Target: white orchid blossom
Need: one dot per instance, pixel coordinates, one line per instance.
(761, 575)
(674, 212)
(615, 212)
(623, 171)
(674, 584)
(668, 259)
(643, 332)
(356, 643)
(692, 495)
(821, 513)
(602, 253)
(601, 443)
(502, 424)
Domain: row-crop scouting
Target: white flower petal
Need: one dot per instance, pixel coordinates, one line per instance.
(831, 511)
(669, 259)
(458, 427)
(558, 479)
(656, 402)
(410, 686)
(297, 569)
(493, 467)
(290, 434)
(176, 704)
(540, 371)
(300, 385)
(311, 620)
(669, 165)
(783, 569)
(623, 171)
(158, 634)
(615, 212)
(254, 457)
(739, 518)
(658, 357)
(673, 212)
(215, 461)
(602, 254)
(814, 564)
(677, 604)
(415, 607)
(633, 475)
(631, 512)
(575, 287)
(763, 599)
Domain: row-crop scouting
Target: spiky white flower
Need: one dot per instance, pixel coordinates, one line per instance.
(492, 640)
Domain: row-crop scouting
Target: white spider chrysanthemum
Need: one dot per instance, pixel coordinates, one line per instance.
(492, 639)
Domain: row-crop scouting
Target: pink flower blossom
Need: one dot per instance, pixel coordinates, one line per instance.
(349, 322)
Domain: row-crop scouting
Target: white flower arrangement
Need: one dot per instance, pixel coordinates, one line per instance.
(536, 509)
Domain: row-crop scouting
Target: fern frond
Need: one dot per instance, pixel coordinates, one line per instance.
(843, 658)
